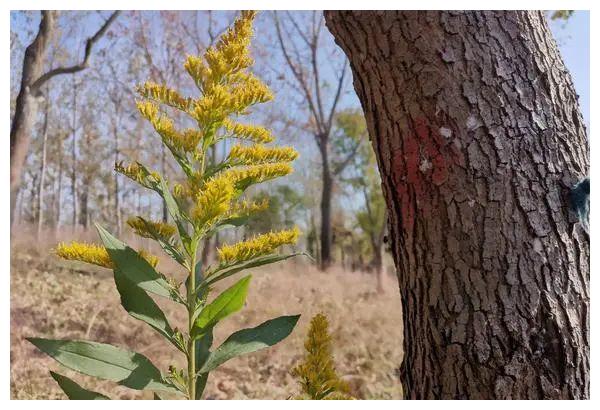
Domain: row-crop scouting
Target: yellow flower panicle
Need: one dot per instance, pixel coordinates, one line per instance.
(258, 246)
(213, 201)
(229, 56)
(138, 173)
(164, 95)
(259, 154)
(255, 174)
(316, 374)
(85, 252)
(94, 254)
(150, 229)
(249, 132)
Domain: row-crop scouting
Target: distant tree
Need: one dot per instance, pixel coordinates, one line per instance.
(33, 78)
(304, 59)
(363, 177)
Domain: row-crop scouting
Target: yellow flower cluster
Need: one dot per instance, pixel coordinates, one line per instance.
(186, 141)
(255, 174)
(84, 252)
(150, 229)
(227, 88)
(94, 254)
(257, 246)
(259, 154)
(214, 200)
(248, 207)
(164, 94)
(248, 132)
(316, 374)
(137, 172)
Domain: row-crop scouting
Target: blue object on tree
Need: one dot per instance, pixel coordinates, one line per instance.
(580, 202)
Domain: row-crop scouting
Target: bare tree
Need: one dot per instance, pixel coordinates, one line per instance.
(309, 84)
(32, 80)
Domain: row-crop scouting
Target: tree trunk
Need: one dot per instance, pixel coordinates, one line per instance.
(40, 215)
(74, 158)
(326, 195)
(476, 127)
(26, 105)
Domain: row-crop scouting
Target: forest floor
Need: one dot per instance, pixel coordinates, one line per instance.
(57, 299)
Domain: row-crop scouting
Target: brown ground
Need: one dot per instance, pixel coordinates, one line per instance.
(57, 299)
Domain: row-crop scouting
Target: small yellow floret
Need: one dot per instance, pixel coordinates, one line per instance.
(257, 246)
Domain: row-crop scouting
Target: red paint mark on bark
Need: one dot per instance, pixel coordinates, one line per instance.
(424, 161)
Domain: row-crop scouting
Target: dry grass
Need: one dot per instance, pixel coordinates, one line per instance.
(51, 298)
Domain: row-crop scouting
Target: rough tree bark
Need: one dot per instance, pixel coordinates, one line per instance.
(476, 126)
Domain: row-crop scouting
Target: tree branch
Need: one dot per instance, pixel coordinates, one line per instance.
(81, 66)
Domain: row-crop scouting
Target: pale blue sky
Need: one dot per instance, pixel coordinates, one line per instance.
(573, 38)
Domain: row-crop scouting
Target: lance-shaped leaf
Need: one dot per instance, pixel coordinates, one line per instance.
(141, 306)
(133, 266)
(74, 391)
(104, 361)
(226, 271)
(250, 340)
(203, 345)
(229, 301)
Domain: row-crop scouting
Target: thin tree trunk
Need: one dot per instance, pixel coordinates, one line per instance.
(476, 127)
(326, 195)
(40, 215)
(118, 215)
(58, 193)
(74, 158)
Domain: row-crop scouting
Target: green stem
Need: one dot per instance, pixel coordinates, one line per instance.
(191, 299)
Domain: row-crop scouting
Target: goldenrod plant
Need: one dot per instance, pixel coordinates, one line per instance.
(210, 199)
(316, 374)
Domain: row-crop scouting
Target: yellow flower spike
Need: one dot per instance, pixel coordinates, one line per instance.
(147, 229)
(136, 172)
(259, 154)
(248, 132)
(255, 174)
(247, 208)
(84, 252)
(258, 246)
(164, 95)
(213, 201)
(94, 254)
(151, 259)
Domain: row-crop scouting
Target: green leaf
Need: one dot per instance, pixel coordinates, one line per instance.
(141, 306)
(229, 301)
(75, 391)
(250, 340)
(134, 267)
(226, 271)
(104, 361)
(176, 214)
(203, 345)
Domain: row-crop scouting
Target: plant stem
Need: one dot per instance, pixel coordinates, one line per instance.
(191, 299)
